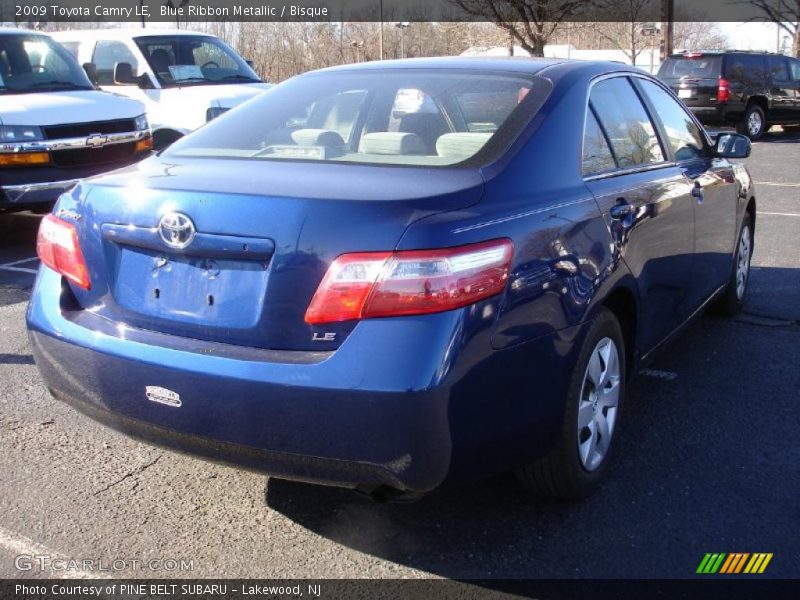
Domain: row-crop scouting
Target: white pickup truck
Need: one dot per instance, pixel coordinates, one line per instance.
(184, 78)
(56, 127)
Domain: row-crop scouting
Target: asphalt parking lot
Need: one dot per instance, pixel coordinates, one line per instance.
(708, 461)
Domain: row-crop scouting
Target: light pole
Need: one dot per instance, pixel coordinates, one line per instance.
(380, 18)
(402, 27)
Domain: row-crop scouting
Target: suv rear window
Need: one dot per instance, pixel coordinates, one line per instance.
(700, 67)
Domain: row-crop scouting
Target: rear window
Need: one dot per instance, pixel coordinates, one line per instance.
(698, 67)
(402, 117)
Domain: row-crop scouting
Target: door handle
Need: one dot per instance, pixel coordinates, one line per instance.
(697, 192)
(621, 209)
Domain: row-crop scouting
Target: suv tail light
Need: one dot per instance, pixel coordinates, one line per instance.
(416, 282)
(723, 91)
(57, 247)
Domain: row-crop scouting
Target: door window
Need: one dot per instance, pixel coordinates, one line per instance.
(625, 120)
(683, 135)
(107, 53)
(597, 155)
(777, 68)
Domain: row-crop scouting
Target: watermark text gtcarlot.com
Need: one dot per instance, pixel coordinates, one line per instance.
(44, 563)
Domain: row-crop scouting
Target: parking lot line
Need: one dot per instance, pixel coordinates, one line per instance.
(777, 184)
(19, 262)
(780, 214)
(20, 545)
(13, 265)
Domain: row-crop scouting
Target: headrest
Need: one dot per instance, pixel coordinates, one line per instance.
(461, 144)
(317, 137)
(390, 142)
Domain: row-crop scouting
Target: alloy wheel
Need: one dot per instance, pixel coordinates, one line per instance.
(743, 262)
(598, 404)
(754, 123)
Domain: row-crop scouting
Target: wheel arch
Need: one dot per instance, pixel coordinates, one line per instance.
(623, 303)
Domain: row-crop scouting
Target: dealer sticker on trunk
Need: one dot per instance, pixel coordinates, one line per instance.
(163, 396)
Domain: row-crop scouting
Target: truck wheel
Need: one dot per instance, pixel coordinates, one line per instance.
(754, 123)
(579, 461)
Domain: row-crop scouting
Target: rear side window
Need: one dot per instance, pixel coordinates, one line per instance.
(745, 67)
(698, 67)
(683, 135)
(625, 120)
(777, 68)
(597, 155)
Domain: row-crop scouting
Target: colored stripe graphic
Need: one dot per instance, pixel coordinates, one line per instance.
(734, 563)
(711, 563)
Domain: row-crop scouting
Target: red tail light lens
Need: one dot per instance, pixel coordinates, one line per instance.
(389, 284)
(57, 247)
(723, 91)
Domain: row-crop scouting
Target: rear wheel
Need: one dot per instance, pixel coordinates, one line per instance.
(754, 123)
(732, 301)
(579, 461)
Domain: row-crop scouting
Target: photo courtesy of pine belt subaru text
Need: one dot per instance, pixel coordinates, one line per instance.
(388, 276)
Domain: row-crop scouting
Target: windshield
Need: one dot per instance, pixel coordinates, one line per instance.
(401, 117)
(194, 60)
(35, 63)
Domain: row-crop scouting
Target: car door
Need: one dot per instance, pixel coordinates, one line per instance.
(714, 190)
(780, 89)
(646, 201)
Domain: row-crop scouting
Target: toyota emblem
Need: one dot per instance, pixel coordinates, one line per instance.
(176, 230)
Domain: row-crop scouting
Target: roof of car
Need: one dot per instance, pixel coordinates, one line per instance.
(19, 31)
(122, 33)
(479, 63)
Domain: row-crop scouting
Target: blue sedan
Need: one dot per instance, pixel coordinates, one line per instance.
(389, 275)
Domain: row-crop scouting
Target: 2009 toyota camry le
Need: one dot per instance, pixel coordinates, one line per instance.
(391, 275)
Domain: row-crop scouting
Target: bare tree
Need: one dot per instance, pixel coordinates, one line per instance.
(629, 33)
(786, 14)
(529, 23)
(699, 35)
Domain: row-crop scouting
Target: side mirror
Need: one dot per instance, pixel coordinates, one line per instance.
(144, 82)
(250, 64)
(732, 145)
(91, 71)
(123, 74)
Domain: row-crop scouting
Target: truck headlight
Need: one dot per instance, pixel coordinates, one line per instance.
(141, 123)
(20, 133)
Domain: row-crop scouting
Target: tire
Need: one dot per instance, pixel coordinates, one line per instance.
(732, 300)
(754, 123)
(571, 470)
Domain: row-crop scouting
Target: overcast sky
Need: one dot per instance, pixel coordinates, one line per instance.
(754, 36)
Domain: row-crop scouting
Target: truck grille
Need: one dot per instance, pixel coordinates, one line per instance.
(92, 156)
(75, 130)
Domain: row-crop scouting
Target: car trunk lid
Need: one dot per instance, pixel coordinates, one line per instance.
(262, 243)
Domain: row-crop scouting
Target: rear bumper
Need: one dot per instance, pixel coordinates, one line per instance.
(404, 403)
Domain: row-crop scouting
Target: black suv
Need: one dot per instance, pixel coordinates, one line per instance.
(749, 90)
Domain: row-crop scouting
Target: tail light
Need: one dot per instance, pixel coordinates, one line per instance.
(416, 282)
(723, 91)
(57, 247)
